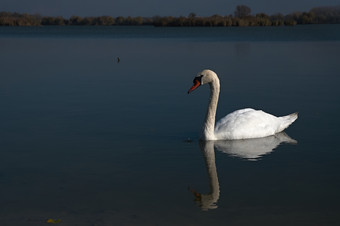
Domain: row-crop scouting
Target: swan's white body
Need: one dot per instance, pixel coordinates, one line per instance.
(241, 124)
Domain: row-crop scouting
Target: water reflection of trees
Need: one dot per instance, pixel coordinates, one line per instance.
(250, 149)
(242, 17)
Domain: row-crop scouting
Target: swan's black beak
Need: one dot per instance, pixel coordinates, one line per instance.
(197, 83)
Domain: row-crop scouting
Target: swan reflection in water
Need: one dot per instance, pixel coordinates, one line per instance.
(250, 149)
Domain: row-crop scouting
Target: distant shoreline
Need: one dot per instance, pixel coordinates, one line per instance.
(242, 17)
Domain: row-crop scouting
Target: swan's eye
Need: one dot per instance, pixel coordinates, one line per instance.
(198, 78)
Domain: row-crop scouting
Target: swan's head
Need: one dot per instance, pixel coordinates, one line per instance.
(204, 77)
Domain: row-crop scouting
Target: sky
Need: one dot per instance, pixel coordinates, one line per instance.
(149, 8)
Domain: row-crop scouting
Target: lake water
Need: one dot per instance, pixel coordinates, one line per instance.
(90, 141)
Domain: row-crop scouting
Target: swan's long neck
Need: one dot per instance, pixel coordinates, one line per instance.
(209, 122)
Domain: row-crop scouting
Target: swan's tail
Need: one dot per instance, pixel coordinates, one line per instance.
(287, 121)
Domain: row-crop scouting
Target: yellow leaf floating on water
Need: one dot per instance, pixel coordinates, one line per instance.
(53, 221)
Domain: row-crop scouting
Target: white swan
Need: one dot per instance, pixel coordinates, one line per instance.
(241, 124)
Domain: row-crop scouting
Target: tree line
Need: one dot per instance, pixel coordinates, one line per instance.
(241, 17)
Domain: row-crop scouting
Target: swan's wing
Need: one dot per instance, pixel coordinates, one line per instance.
(246, 123)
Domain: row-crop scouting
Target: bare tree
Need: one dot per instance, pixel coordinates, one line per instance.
(242, 11)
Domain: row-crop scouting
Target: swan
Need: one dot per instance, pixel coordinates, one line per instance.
(241, 124)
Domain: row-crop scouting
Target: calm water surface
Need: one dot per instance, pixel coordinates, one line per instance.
(91, 141)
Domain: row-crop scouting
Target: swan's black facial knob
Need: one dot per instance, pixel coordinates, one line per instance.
(196, 84)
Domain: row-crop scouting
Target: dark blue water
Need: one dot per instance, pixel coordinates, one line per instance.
(91, 141)
(286, 33)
